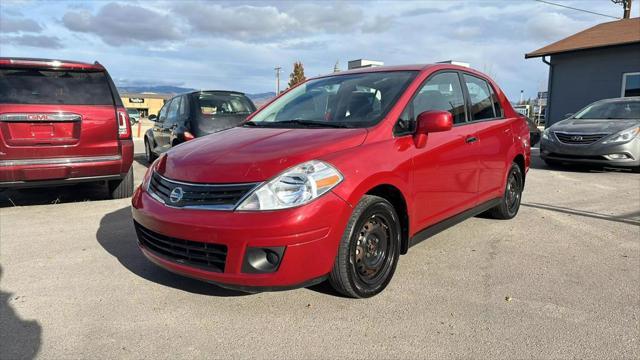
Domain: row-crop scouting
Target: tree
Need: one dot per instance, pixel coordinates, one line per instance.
(297, 75)
(626, 5)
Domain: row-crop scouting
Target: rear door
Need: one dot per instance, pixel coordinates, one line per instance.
(56, 113)
(169, 125)
(494, 136)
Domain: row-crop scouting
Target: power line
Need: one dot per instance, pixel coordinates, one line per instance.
(577, 9)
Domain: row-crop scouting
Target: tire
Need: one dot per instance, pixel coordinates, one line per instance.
(369, 249)
(148, 153)
(122, 189)
(510, 203)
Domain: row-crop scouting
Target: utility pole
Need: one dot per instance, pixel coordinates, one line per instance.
(521, 96)
(626, 5)
(277, 69)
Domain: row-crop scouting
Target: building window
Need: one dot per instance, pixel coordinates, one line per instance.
(631, 84)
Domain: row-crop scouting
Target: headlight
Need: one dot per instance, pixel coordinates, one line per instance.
(296, 186)
(623, 136)
(545, 134)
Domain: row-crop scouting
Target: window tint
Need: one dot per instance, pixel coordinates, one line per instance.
(172, 113)
(440, 92)
(35, 86)
(163, 112)
(496, 103)
(183, 107)
(480, 98)
(213, 104)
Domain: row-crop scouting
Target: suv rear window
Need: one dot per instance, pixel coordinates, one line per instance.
(68, 87)
(211, 104)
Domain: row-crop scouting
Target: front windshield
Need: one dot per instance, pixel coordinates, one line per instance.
(620, 110)
(353, 100)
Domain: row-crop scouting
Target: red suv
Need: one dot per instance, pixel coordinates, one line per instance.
(62, 122)
(335, 179)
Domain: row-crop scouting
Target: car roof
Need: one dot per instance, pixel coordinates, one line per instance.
(48, 63)
(620, 99)
(411, 67)
(216, 91)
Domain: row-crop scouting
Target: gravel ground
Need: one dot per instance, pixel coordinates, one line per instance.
(559, 281)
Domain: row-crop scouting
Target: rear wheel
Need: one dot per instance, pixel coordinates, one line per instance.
(148, 154)
(121, 189)
(510, 203)
(369, 249)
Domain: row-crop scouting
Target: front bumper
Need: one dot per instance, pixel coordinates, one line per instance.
(310, 235)
(595, 153)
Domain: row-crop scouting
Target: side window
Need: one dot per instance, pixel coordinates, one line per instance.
(162, 117)
(183, 108)
(440, 92)
(496, 103)
(172, 114)
(480, 98)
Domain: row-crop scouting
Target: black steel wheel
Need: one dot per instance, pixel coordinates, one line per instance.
(510, 204)
(369, 249)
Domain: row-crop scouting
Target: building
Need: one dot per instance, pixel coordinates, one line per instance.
(363, 63)
(146, 103)
(598, 63)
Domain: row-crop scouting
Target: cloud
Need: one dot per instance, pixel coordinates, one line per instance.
(553, 26)
(14, 25)
(379, 24)
(251, 23)
(38, 41)
(118, 24)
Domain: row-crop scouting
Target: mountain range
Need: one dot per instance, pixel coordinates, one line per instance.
(168, 89)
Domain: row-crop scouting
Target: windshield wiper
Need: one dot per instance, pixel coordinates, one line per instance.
(310, 123)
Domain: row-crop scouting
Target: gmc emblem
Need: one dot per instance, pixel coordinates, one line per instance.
(37, 117)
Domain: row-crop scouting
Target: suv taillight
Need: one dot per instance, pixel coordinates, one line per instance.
(124, 126)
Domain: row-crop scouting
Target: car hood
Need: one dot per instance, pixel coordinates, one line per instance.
(593, 126)
(245, 154)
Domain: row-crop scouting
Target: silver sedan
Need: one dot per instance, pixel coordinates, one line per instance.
(605, 132)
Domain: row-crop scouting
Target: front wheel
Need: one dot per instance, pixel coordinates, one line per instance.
(369, 249)
(510, 203)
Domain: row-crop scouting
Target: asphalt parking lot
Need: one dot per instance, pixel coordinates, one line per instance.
(561, 280)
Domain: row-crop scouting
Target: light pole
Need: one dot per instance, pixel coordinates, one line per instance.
(277, 69)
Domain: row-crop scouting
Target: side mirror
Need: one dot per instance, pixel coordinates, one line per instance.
(568, 115)
(153, 117)
(430, 122)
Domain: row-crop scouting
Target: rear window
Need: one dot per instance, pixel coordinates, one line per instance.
(213, 104)
(69, 87)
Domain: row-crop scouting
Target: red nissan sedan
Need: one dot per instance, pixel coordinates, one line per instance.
(335, 179)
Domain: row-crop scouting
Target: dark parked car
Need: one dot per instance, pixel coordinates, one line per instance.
(193, 115)
(62, 122)
(334, 179)
(534, 132)
(604, 133)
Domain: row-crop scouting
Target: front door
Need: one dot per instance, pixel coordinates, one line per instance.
(445, 176)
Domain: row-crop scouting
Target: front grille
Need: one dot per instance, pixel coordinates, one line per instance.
(577, 157)
(578, 139)
(210, 257)
(193, 195)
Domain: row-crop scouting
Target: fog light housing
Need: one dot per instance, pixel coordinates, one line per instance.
(617, 156)
(260, 260)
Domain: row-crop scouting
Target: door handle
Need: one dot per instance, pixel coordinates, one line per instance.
(470, 139)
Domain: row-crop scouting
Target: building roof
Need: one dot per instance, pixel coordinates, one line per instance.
(619, 32)
(146, 95)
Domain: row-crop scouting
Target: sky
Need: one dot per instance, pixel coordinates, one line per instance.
(235, 45)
